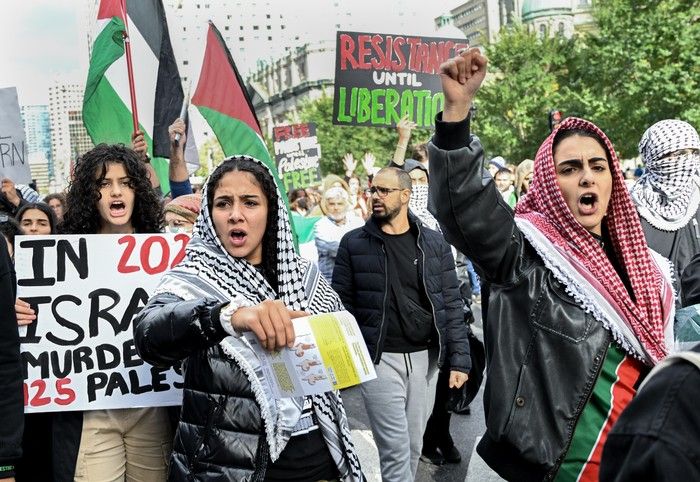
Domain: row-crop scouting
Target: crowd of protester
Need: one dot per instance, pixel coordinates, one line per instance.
(581, 269)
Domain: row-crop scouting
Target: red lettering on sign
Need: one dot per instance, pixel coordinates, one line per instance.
(347, 48)
(379, 61)
(64, 391)
(146, 255)
(362, 52)
(39, 400)
(398, 66)
(66, 395)
(122, 267)
(183, 239)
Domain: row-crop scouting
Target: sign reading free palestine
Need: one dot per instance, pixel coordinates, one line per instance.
(380, 78)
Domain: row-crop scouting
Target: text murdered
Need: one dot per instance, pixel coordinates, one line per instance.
(86, 290)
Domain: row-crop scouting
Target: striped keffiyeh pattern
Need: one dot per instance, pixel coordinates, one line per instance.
(545, 208)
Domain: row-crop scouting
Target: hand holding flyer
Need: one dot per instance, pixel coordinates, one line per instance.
(329, 353)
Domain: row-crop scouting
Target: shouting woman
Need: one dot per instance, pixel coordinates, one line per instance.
(580, 308)
(241, 274)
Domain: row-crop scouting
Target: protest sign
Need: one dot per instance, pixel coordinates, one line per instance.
(329, 353)
(380, 78)
(79, 353)
(297, 154)
(14, 163)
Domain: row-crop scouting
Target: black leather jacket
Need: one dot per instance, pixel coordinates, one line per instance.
(544, 353)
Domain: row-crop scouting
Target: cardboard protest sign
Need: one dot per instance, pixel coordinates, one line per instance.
(14, 163)
(380, 78)
(79, 354)
(297, 154)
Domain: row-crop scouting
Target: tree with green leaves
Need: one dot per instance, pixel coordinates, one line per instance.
(527, 79)
(641, 66)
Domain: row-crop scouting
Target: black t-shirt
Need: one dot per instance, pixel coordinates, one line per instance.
(403, 256)
(306, 456)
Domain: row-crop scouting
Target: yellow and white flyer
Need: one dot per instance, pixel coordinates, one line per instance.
(329, 353)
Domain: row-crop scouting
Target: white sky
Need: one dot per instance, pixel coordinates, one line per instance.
(41, 40)
(45, 40)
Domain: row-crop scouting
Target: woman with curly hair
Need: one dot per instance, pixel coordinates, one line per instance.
(111, 194)
(241, 273)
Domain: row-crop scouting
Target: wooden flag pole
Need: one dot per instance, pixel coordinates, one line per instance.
(130, 69)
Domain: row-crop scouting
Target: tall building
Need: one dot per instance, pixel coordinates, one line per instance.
(278, 88)
(306, 70)
(481, 20)
(558, 17)
(69, 139)
(37, 129)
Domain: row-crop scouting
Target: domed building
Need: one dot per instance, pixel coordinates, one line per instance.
(557, 17)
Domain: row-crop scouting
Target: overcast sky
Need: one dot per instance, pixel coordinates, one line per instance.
(45, 40)
(41, 40)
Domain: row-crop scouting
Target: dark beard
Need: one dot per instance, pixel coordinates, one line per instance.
(388, 216)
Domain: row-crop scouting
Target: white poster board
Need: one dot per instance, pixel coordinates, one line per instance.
(79, 354)
(14, 163)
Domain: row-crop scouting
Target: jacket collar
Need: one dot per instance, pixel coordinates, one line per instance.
(373, 228)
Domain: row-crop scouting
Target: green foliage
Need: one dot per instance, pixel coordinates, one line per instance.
(336, 141)
(210, 156)
(640, 64)
(527, 80)
(643, 64)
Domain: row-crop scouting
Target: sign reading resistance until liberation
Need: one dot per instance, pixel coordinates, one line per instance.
(380, 78)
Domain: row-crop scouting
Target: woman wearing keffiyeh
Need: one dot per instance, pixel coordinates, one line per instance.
(580, 308)
(668, 193)
(241, 273)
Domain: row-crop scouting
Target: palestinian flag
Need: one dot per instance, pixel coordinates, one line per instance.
(107, 104)
(222, 100)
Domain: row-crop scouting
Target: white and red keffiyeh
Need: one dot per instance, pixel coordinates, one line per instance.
(643, 326)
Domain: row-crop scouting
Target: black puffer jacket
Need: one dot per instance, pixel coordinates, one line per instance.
(220, 436)
(360, 278)
(544, 352)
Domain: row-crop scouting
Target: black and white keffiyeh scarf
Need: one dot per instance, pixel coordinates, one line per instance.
(208, 270)
(668, 194)
(418, 204)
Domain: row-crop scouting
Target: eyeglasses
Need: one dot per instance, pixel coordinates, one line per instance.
(383, 191)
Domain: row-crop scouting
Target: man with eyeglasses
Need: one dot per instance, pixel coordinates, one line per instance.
(667, 195)
(397, 277)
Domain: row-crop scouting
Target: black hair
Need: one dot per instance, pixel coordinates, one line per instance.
(565, 134)
(56, 195)
(44, 208)
(402, 177)
(296, 194)
(269, 188)
(82, 215)
(420, 152)
(9, 228)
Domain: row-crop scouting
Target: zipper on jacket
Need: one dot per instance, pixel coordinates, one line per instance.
(382, 335)
(432, 307)
(560, 459)
(211, 415)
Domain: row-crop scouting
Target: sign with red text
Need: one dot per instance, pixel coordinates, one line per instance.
(380, 78)
(298, 155)
(79, 354)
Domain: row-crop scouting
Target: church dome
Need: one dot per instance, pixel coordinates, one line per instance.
(534, 9)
